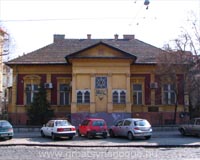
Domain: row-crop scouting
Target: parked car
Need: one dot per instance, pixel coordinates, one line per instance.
(191, 128)
(58, 128)
(92, 127)
(6, 130)
(130, 128)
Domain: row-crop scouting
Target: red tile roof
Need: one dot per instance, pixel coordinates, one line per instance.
(56, 52)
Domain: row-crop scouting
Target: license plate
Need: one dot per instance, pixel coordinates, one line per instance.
(145, 134)
(4, 135)
(67, 129)
(98, 133)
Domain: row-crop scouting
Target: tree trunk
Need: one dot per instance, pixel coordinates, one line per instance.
(175, 111)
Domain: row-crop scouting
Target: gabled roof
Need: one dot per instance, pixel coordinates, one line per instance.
(56, 52)
(126, 55)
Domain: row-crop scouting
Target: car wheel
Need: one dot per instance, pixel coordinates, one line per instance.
(89, 136)
(53, 137)
(182, 131)
(10, 137)
(79, 134)
(42, 134)
(147, 137)
(105, 135)
(130, 136)
(71, 137)
(112, 134)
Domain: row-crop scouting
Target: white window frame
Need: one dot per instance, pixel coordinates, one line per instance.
(136, 101)
(64, 95)
(119, 91)
(169, 92)
(32, 92)
(83, 95)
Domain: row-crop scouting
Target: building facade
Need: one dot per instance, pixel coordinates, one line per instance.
(104, 78)
(3, 72)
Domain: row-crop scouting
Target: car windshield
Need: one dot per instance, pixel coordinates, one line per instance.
(5, 124)
(62, 123)
(98, 123)
(141, 123)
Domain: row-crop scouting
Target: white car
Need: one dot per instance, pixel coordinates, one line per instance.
(58, 128)
(131, 127)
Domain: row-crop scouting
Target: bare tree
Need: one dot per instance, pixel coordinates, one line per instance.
(183, 59)
(171, 70)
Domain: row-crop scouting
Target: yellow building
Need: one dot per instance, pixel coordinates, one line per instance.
(104, 78)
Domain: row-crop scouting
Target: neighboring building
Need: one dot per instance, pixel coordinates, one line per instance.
(3, 88)
(106, 78)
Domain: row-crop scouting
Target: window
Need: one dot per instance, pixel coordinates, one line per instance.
(123, 97)
(83, 96)
(64, 94)
(119, 96)
(85, 123)
(62, 123)
(79, 97)
(137, 94)
(98, 123)
(31, 90)
(127, 123)
(87, 97)
(115, 97)
(119, 123)
(169, 96)
(141, 123)
(101, 82)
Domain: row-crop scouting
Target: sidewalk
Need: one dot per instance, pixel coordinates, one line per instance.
(159, 139)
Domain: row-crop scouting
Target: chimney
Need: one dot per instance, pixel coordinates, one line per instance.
(89, 36)
(129, 36)
(116, 36)
(58, 37)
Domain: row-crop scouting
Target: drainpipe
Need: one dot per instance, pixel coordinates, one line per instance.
(16, 81)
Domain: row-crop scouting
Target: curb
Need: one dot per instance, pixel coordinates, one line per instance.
(102, 146)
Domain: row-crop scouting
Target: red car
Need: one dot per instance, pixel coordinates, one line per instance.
(93, 127)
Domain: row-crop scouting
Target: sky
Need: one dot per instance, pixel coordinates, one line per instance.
(31, 24)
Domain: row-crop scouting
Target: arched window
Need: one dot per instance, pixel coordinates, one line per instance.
(119, 96)
(115, 97)
(123, 97)
(83, 96)
(79, 97)
(87, 97)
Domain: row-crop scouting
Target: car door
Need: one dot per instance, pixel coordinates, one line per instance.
(189, 128)
(49, 128)
(196, 128)
(45, 128)
(125, 127)
(118, 128)
(83, 127)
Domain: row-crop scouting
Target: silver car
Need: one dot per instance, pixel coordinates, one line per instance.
(131, 127)
(191, 128)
